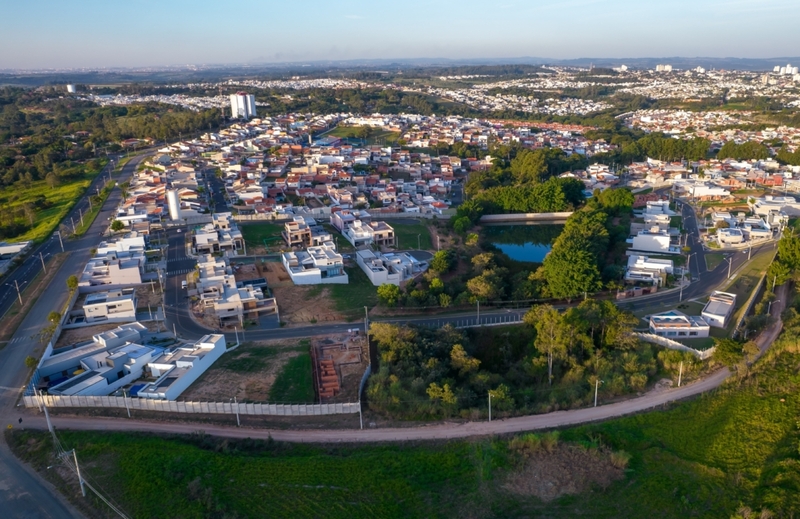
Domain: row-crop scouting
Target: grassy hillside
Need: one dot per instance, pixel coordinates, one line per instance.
(704, 458)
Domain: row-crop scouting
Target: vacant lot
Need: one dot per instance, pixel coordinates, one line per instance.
(262, 236)
(250, 372)
(412, 235)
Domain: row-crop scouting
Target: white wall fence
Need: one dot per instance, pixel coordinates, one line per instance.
(673, 345)
(149, 404)
(522, 217)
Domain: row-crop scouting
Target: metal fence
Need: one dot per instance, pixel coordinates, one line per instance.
(149, 404)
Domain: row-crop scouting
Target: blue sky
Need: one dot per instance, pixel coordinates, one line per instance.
(134, 33)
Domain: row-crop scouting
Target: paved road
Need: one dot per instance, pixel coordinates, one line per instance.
(23, 494)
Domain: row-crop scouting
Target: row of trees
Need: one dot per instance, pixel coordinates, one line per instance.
(551, 362)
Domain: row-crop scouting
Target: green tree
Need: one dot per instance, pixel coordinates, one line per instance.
(778, 273)
(616, 201)
(462, 224)
(728, 352)
(461, 361)
(445, 300)
(72, 283)
(31, 362)
(549, 334)
(442, 261)
(571, 270)
(389, 294)
(53, 317)
(117, 225)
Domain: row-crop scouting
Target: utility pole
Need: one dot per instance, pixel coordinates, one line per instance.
(72, 220)
(478, 320)
(78, 470)
(126, 404)
(680, 374)
(730, 263)
(42, 258)
(80, 212)
(419, 247)
(235, 403)
(19, 295)
(490, 406)
(174, 332)
(60, 240)
(597, 383)
(366, 322)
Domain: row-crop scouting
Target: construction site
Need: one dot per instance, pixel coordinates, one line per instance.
(338, 364)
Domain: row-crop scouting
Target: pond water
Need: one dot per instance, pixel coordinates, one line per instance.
(526, 243)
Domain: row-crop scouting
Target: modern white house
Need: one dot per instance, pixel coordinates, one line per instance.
(659, 207)
(132, 241)
(359, 234)
(654, 241)
(719, 308)
(111, 306)
(315, 265)
(177, 370)
(107, 367)
(677, 325)
(389, 268)
(229, 301)
(730, 236)
(650, 270)
(113, 270)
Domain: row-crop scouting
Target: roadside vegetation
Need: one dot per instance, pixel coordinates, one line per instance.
(732, 453)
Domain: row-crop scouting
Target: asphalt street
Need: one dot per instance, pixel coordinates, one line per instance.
(22, 493)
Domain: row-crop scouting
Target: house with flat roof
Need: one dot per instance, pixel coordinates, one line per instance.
(730, 236)
(315, 265)
(719, 308)
(229, 302)
(113, 270)
(297, 233)
(649, 270)
(176, 370)
(655, 241)
(390, 268)
(112, 306)
(677, 325)
(62, 363)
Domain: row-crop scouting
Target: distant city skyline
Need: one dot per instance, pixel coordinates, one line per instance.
(144, 33)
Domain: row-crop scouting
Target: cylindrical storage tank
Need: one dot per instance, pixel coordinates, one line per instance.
(174, 203)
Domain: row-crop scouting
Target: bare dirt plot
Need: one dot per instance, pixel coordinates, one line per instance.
(306, 304)
(76, 335)
(350, 358)
(247, 373)
(147, 294)
(567, 470)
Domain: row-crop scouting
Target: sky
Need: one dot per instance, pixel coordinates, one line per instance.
(139, 33)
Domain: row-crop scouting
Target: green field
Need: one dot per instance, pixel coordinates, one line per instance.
(60, 200)
(351, 299)
(295, 383)
(745, 281)
(375, 136)
(97, 206)
(702, 458)
(255, 233)
(407, 235)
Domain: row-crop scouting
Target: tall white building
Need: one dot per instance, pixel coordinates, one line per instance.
(243, 105)
(71, 89)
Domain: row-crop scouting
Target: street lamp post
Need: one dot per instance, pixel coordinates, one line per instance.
(597, 383)
(19, 294)
(60, 240)
(769, 306)
(418, 242)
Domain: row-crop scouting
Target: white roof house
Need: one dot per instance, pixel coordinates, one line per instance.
(655, 240)
(391, 268)
(719, 308)
(178, 369)
(643, 268)
(677, 325)
(110, 306)
(315, 265)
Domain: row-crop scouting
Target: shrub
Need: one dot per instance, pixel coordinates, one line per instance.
(526, 445)
(620, 459)
(550, 441)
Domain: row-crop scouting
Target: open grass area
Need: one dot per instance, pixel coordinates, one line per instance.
(375, 136)
(407, 235)
(59, 200)
(745, 281)
(255, 233)
(351, 299)
(294, 383)
(97, 206)
(703, 458)
(713, 259)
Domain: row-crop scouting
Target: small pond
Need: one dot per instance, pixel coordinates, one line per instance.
(526, 243)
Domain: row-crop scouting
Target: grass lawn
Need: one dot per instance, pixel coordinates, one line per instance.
(351, 299)
(713, 259)
(676, 221)
(294, 385)
(407, 235)
(745, 281)
(60, 199)
(255, 233)
(702, 458)
(700, 344)
(375, 136)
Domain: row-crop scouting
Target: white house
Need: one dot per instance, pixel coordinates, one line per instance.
(643, 268)
(315, 265)
(390, 268)
(111, 306)
(113, 269)
(730, 236)
(677, 325)
(719, 308)
(655, 240)
(178, 369)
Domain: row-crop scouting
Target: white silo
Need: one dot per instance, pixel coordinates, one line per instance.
(71, 89)
(174, 203)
